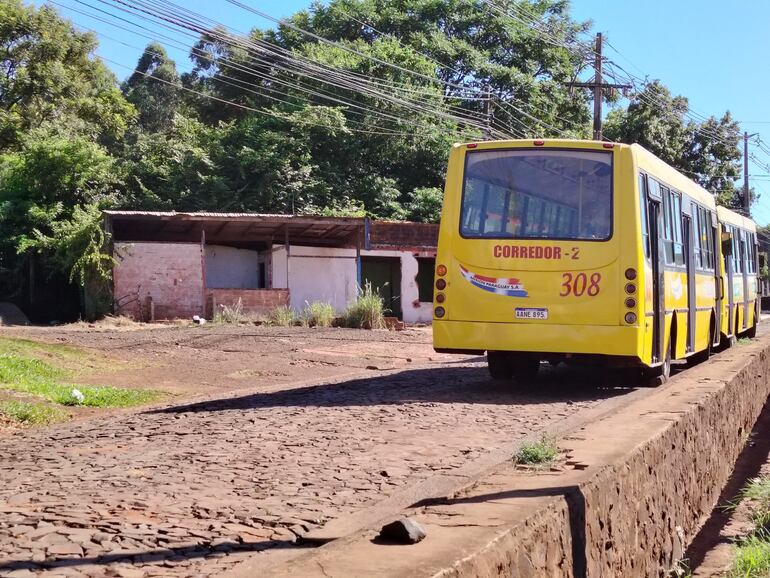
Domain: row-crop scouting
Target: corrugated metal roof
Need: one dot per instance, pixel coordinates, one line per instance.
(207, 214)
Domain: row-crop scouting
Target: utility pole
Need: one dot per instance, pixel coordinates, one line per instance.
(598, 87)
(746, 190)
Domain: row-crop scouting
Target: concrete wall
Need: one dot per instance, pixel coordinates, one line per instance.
(170, 273)
(324, 274)
(231, 268)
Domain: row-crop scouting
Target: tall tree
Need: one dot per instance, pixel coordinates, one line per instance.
(48, 74)
(706, 151)
(154, 88)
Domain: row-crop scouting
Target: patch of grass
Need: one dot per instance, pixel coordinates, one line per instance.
(744, 341)
(367, 311)
(31, 413)
(680, 570)
(36, 377)
(752, 557)
(540, 453)
(230, 314)
(282, 317)
(758, 491)
(318, 314)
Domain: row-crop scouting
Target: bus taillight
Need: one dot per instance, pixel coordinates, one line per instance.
(439, 312)
(630, 274)
(441, 270)
(440, 284)
(440, 297)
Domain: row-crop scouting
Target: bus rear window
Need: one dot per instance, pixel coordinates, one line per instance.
(537, 194)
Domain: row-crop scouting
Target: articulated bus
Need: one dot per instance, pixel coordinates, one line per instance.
(585, 251)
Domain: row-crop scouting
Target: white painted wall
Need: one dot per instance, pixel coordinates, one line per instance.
(324, 274)
(316, 274)
(231, 268)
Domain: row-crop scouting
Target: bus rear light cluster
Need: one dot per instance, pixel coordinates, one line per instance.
(440, 297)
(440, 284)
(630, 288)
(630, 318)
(630, 274)
(439, 312)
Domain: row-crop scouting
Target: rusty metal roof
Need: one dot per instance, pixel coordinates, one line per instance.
(237, 229)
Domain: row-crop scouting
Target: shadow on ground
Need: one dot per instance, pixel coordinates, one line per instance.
(470, 385)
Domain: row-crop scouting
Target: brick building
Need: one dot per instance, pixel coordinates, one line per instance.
(177, 265)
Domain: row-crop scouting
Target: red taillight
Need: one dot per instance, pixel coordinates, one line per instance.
(440, 297)
(539, 143)
(609, 145)
(440, 284)
(473, 145)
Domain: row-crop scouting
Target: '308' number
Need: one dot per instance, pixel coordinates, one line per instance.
(580, 284)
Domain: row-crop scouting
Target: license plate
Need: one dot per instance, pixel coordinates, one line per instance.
(531, 313)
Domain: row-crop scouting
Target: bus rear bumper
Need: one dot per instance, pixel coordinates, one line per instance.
(605, 340)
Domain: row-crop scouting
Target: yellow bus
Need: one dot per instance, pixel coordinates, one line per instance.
(565, 250)
(740, 268)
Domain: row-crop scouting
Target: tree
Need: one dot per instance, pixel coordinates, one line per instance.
(48, 74)
(154, 89)
(706, 151)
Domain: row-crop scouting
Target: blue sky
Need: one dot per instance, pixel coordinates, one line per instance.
(716, 55)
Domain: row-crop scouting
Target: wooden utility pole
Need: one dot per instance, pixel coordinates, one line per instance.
(598, 87)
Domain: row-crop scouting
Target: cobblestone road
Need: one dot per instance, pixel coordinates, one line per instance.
(192, 489)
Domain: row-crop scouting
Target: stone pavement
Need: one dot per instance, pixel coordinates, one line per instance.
(191, 490)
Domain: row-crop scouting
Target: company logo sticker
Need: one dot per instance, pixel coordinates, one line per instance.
(501, 285)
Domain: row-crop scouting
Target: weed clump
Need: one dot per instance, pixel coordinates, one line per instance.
(540, 453)
(282, 316)
(229, 314)
(367, 311)
(318, 314)
(752, 553)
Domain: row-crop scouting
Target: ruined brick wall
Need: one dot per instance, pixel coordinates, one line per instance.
(257, 302)
(170, 273)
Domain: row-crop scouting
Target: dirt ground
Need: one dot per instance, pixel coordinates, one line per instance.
(270, 432)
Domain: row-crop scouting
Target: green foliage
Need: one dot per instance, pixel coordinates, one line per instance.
(540, 453)
(367, 311)
(154, 88)
(425, 205)
(282, 317)
(318, 314)
(707, 152)
(752, 557)
(31, 413)
(229, 314)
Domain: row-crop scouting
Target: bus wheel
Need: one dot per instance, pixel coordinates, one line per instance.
(525, 366)
(659, 375)
(499, 363)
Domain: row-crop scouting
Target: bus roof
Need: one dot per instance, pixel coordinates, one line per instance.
(736, 219)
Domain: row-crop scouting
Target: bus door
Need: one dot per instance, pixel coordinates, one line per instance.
(689, 261)
(657, 252)
(743, 256)
(719, 288)
(727, 255)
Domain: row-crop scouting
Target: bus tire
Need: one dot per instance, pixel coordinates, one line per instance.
(525, 366)
(657, 376)
(499, 364)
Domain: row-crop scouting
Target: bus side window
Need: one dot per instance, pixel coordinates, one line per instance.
(668, 235)
(697, 226)
(677, 222)
(645, 220)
